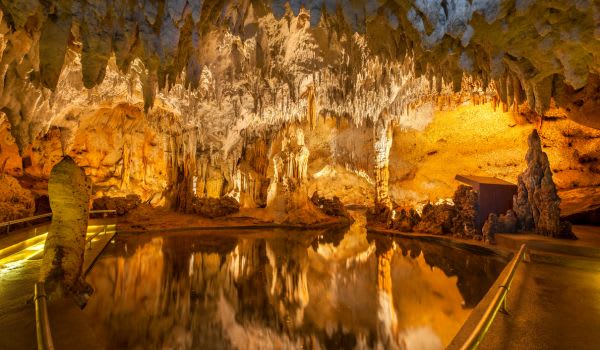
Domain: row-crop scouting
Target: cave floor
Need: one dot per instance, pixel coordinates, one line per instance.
(18, 274)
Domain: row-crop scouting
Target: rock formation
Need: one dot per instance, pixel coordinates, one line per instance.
(172, 100)
(287, 195)
(122, 205)
(331, 207)
(214, 207)
(466, 205)
(537, 204)
(490, 228)
(15, 201)
(405, 221)
(382, 144)
(437, 219)
(69, 190)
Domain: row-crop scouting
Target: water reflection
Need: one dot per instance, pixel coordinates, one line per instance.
(336, 289)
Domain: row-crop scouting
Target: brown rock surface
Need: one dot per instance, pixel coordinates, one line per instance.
(466, 205)
(121, 204)
(214, 207)
(15, 201)
(437, 219)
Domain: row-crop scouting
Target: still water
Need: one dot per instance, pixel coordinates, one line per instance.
(282, 289)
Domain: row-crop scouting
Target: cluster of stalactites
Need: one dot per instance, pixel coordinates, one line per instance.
(262, 64)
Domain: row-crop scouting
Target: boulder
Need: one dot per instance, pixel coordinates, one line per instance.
(214, 207)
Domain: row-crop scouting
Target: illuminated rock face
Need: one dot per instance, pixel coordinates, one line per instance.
(287, 195)
(69, 191)
(171, 100)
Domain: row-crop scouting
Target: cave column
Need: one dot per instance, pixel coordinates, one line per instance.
(69, 190)
(382, 144)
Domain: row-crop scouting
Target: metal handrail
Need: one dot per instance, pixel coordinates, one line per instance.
(89, 240)
(42, 324)
(18, 221)
(497, 303)
(31, 218)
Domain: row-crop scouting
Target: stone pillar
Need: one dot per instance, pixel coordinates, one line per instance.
(537, 201)
(69, 190)
(383, 144)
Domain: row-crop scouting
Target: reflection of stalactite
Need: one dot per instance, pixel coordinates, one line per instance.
(311, 108)
(125, 173)
(388, 327)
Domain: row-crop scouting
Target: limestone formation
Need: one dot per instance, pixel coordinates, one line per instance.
(331, 207)
(507, 223)
(15, 201)
(69, 191)
(287, 196)
(490, 228)
(122, 205)
(437, 219)
(537, 202)
(382, 144)
(214, 207)
(378, 214)
(405, 221)
(466, 205)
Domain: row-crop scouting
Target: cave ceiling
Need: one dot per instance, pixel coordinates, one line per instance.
(229, 67)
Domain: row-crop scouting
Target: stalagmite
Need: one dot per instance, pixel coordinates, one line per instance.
(69, 191)
(537, 204)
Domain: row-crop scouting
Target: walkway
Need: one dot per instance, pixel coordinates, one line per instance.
(554, 300)
(550, 307)
(18, 273)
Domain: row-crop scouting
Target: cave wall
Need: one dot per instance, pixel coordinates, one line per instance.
(120, 149)
(478, 140)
